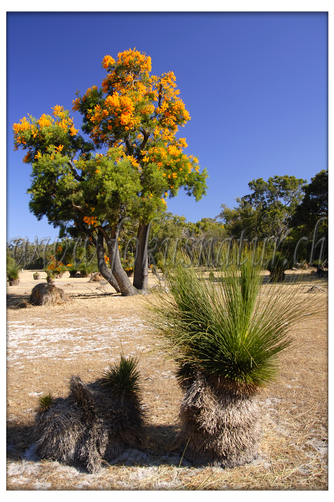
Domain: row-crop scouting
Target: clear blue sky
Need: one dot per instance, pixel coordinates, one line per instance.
(255, 85)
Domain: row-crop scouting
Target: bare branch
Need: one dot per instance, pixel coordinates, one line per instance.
(74, 172)
(146, 136)
(78, 208)
(160, 96)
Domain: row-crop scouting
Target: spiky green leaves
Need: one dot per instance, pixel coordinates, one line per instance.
(13, 272)
(231, 330)
(44, 403)
(122, 378)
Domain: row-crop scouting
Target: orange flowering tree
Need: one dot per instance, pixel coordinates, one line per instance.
(129, 160)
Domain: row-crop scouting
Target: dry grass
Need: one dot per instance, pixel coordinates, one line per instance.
(47, 345)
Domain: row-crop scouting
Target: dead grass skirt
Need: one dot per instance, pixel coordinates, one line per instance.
(219, 426)
(88, 426)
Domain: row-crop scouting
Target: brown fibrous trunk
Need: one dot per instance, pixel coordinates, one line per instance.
(47, 294)
(89, 426)
(219, 425)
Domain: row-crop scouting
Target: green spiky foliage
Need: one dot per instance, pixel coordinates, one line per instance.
(87, 268)
(122, 378)
(225, 337)
(229, 329)
(45, 402)
(12, 272)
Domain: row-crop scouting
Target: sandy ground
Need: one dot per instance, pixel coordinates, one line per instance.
(46, 346)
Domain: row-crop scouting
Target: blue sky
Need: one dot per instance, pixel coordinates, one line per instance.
(255, 85)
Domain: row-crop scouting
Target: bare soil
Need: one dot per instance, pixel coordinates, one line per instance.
(47, 345)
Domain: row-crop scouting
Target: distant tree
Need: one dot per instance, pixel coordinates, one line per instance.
(314, 204)
(309, 222)
(266, 211)
(206, 237)
(130, 164)
(209, 228)
(243, 218)
(171, 237)
(167, 235)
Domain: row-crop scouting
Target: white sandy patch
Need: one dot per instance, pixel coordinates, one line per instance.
(77, 335)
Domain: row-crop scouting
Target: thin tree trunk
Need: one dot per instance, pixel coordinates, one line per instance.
(103, 269)
(119, 273)
(140, 280)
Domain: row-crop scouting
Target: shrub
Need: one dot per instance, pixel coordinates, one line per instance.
(225, 338)
(47, 294)
(13, 274)
(96, 422)
(122, 378)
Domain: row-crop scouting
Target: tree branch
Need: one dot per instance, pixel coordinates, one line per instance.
(146, 136)
(73, 171)
(160, 96)
(128, 145)
(78, 208)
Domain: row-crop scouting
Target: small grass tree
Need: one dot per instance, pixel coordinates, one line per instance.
(225, 337)
(13, 274)
(96, 422)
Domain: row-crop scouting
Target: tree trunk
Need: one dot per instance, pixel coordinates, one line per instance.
(103, 269)
(140, 280)
(219, 424)
(118, 272)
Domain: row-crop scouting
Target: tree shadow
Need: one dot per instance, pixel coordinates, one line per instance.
(20, 437)
(162, 447)
(302, 277)
(20, 300)
(91, 296)
(16, 300)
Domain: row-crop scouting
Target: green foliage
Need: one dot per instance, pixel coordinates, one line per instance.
(315, 203)
(211, 276)
(122, 379)
(35, 264)
(266, 211)
(87, 268)
(134, 120)
(45, 402)
(13, 272)
(171, 234)
(227, 329)
(10, 261)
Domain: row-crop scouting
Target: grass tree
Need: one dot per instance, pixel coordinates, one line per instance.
(225, 337)
(96, 422)
(13, 274)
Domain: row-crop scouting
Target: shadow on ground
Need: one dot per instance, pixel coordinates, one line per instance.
(18, 301)
(19, 439)
(162, 448)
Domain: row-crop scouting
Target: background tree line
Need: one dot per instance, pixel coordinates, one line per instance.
(289, 213)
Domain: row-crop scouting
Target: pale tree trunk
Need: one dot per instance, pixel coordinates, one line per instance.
(118, 272)
(140, 280)
(103, 268)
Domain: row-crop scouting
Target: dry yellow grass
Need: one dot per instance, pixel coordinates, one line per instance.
(46, 345)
